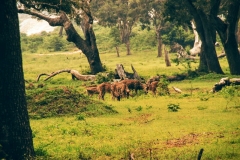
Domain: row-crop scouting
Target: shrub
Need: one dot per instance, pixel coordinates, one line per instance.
(173, 107)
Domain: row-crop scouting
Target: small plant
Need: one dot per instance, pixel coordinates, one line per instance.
(231, 94)
(129, 110)
(163, 87)
(80, 118)
(139, 108)
(173, 107)
(84, 156)
(104, 77)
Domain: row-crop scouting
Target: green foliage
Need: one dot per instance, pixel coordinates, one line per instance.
(80, 117)
(143, 40)
(139, 108)
(84, 156)
(163, 89)
(44, 42)
(231, 94)
(177, 34)
(104, 77)
(187, 64)
(173, 107)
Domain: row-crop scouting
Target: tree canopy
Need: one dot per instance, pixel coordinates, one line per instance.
(60, 13)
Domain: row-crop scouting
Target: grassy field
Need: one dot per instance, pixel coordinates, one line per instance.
(143, 125)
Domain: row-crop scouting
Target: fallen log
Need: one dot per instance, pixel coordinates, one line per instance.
(75, 75)
(225, 82)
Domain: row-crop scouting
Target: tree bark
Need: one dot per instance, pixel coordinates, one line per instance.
(205, 30)
(228, 35)
(167, 61)
(128, 47)
(203, 66)
(117, 50)
(15, 131)
(196, 50)
(88, 46)
(125, 29)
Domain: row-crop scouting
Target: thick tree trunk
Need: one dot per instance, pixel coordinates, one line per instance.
(228, 35)
(205, 30)
(15, 132)
(203, 67)
(208, 45)
(88, 46)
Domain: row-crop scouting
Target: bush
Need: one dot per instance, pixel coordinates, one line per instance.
(173, 107)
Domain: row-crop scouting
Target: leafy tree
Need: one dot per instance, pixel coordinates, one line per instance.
(15, 132)
(152, 14)
(178, 34)
(121, 14)
(34, 42)
(205, 15)
(186, 10)
(116, 39)
(54, 43)
(63, 11)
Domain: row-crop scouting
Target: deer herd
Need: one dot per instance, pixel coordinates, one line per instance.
(121, 89)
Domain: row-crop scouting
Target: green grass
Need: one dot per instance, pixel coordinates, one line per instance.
(141, 125)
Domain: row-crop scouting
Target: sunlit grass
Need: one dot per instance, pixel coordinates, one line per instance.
(153, 128)
(143, 126)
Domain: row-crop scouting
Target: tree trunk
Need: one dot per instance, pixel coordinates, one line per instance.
(15, 131)
(203, 67)
(128, 47)
(205, 30)
(167, 61)
(159, 39)
(228, 36)
(196, 50)
(88, 46)
(117, 50)
(125, 30)
(238, 36)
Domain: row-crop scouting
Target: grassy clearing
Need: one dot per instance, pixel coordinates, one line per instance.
(142, 125)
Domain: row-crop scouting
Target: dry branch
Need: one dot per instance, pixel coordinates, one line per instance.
(75, 75)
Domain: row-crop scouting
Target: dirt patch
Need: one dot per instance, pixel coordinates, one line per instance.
(189, 139)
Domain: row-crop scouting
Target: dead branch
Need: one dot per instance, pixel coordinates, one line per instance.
(135, 74)
(40, 75)
(120, 71)
(75, 75)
